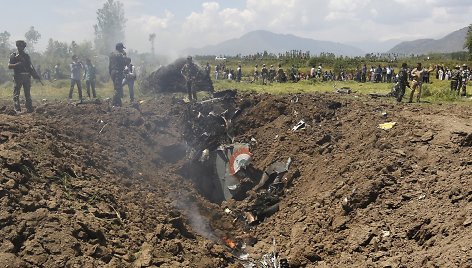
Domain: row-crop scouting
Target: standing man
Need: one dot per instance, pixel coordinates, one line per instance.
(455, 77)
(20, 62)
(402, 82)
(116, 69)
(189, 72)
(264, 74)
(417, 75)
(130, 77)
(256, 73)
(90, 75)
(75, 77)
(464, 77)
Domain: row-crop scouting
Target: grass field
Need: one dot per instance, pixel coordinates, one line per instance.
(57, 90)
(437, 91)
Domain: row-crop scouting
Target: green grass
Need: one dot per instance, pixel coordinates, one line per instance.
(59, 90)
(435, 92)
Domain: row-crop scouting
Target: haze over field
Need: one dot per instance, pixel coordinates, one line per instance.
(178, 25)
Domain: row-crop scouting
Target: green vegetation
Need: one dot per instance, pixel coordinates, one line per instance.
(435, 92)
(57, 90)
(468, 41)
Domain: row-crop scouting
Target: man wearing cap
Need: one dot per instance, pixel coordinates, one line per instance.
(116, 68)
(417, 75)
(189, 71)
(20, 62)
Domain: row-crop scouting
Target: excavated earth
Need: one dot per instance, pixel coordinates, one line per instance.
(97, 186)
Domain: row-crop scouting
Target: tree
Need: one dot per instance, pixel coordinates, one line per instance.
(110, 26)
(468, 41)
(32, 37)
(4, 44)
(152, 38)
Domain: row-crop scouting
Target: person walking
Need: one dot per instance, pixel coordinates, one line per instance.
(402, 82)
(20, 63)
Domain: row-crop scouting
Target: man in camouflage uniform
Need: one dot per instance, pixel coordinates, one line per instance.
(189, 72)
(256, 73)
(264, 74)
(464, 78)
(20, 62)
(402, 82)
(455, 78)
(272, 74)
(116, 69)
(281, 77)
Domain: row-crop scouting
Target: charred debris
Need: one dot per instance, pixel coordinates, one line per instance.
(221, 165)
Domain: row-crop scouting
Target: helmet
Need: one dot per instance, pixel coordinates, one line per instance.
(119, 46)
(20, 43)
(464, 65)
(189, 58)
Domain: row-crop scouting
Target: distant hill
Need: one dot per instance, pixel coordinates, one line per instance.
(260, 41)
(452, 42)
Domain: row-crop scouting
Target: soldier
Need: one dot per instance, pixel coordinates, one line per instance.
(455, 77)
(116, 68)
(281, 77)
(272, 73)
(264, 74)
(20, 62)
(75, 77)
(417, 75)
(464, 78)
(402, 82)
(256, 73)
(189, 72)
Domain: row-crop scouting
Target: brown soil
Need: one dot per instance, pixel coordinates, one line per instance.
(96, 186)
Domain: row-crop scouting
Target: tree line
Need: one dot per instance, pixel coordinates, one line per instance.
(108, 30)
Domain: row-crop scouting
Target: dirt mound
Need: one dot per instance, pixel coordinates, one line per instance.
(95, 186)
(169, 79)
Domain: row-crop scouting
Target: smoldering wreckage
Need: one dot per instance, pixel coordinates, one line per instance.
(321, 179)
(221, 166)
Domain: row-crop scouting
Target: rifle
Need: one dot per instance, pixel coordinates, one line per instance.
(35, 74)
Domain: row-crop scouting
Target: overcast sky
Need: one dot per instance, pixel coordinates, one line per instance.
(181, 24)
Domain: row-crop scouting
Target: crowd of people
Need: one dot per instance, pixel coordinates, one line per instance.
(123, 73)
